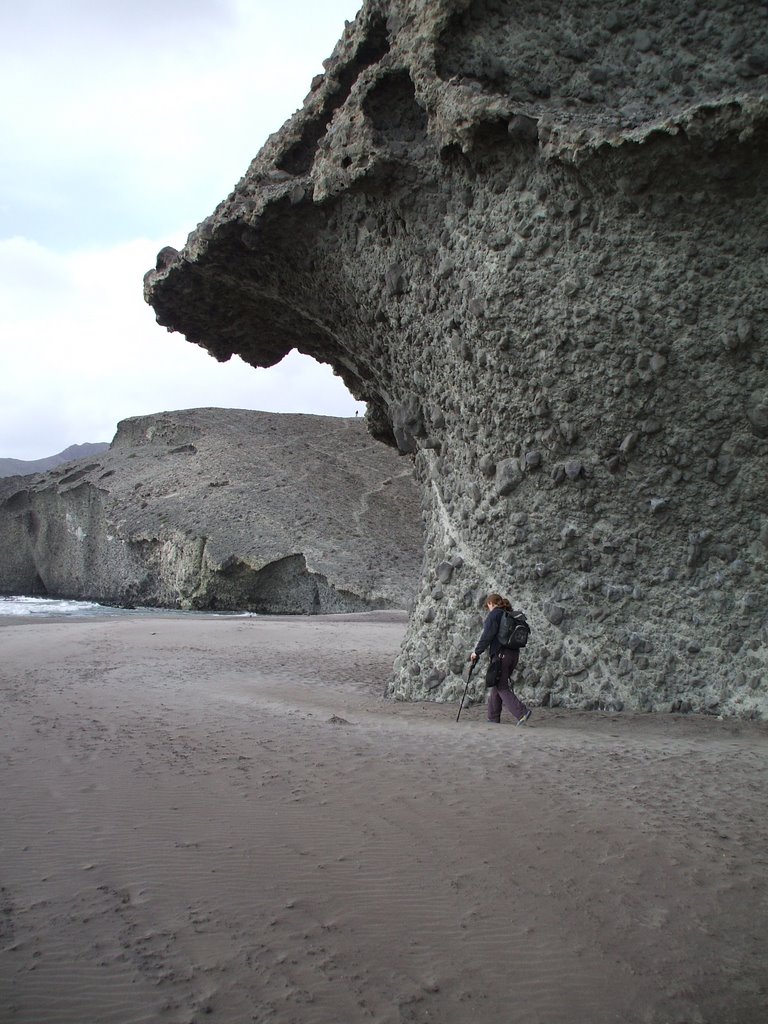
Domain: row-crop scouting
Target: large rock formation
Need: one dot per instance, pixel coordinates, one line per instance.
(532, 236)
(220, 509)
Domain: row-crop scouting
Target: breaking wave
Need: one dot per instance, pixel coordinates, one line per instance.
(52, 607)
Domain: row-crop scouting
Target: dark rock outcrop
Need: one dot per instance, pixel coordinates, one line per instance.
(23, 467)
(533, 238)
(220, 509)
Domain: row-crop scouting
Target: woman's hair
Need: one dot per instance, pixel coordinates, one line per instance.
(499, 601)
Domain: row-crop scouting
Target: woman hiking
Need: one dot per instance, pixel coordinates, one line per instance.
(503, 662)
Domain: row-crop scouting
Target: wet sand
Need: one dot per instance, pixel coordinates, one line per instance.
(222, 820)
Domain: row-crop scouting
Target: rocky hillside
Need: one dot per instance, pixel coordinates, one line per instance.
(23, 467)
(220, 509)
(532, 237)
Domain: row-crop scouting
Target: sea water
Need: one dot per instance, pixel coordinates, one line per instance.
(52, 607)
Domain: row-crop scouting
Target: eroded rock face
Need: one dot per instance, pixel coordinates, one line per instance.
(220, 509)
(533, 237)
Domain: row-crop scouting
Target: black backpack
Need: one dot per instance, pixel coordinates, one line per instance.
(513, 630)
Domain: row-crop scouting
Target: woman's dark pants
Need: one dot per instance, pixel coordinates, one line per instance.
(502, 693)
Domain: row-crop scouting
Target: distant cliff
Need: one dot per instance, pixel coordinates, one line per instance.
(23, 467)
(224, 509)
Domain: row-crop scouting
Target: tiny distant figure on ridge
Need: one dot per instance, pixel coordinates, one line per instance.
(503, 660)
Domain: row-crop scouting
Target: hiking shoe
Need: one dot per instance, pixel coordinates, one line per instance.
(526, 716)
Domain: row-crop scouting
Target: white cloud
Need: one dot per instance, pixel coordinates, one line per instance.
(115, 117)
(80, 350)
(123, 126)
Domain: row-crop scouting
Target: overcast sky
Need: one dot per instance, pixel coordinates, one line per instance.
(124, 123)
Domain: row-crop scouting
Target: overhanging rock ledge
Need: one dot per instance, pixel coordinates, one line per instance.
(533, 238)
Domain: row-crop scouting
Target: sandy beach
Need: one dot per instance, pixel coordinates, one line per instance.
(221, 819)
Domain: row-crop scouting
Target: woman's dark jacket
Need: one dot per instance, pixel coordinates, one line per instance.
(489, 636)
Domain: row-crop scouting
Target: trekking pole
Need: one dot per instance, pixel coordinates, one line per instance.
(471, 670)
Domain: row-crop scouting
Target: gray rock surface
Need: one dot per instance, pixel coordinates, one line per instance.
(23, 467)
(220, 509)
(533, 238)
